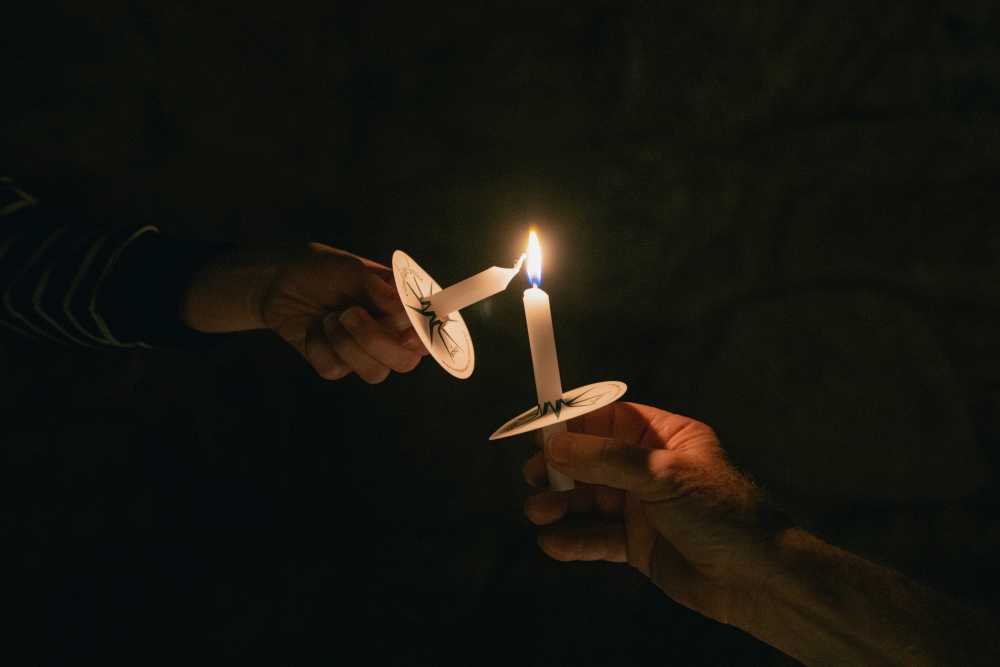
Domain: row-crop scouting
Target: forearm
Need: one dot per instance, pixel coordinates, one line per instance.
(825, 606)
(66, 280)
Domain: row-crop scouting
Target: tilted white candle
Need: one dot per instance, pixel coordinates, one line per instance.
(480, 286)
(541, 339)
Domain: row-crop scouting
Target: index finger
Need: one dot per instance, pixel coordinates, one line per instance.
(599, 460)
(382, 292)
(377, 340)
(625, 421)
(359, 280)
(643, 425)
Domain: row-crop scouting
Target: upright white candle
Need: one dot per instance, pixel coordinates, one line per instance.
(480, 286)
(542, 341)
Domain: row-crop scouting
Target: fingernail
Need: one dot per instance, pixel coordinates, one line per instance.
(409, 337)
(559, 448)
(350, 318)
(400, 321)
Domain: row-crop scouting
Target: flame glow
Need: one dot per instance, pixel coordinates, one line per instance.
(534, 269)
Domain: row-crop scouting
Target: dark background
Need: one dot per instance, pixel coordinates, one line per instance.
(778, 218)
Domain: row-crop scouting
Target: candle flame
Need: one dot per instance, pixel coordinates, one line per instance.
(534, 269)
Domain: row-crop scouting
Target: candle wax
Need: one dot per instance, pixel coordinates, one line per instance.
(542, 340)
(471, 290)
(548, 384)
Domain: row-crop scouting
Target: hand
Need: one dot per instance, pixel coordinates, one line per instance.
(658, 493)
(341, 312)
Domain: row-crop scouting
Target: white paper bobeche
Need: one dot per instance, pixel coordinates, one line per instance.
(447, 341)
(433, 311)
(575, 403)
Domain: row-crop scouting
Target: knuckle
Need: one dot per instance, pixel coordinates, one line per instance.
(407, 363)
(355, 319)
(575, 549)
(332, 371)
(376, 376)
(565, 547)
(669, 478)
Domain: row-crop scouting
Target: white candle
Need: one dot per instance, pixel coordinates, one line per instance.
(471, 290)
(544, 361)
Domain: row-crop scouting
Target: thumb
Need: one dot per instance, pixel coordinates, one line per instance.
(615, 463)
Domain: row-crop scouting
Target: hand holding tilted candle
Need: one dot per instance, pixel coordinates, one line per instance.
(554, 407)
(434, 311)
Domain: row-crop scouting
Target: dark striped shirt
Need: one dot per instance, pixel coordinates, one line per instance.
(70, 282)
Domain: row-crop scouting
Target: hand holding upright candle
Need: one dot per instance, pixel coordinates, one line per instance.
(541, 338)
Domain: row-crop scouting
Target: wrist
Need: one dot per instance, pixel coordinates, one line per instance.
(226, 292)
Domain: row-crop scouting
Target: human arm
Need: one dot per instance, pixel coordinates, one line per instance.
(658, 493)
(67, 280)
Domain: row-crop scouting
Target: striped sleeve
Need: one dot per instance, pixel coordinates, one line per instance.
(65, 281)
